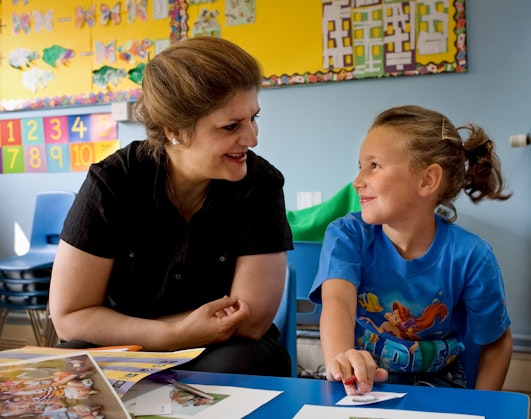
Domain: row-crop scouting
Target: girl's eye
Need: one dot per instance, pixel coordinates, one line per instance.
(374, 165)
(255, 117)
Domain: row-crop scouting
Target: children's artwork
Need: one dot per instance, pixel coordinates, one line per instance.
(64, 386)
(57, 53)
(56, 143)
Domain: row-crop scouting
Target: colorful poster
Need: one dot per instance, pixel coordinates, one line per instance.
(57, 53)
(56, 143)
(67, 53)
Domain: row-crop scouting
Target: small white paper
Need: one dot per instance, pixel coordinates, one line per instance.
(369, 398)
(155, 399)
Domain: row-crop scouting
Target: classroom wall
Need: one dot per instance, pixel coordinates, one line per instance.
(312, 134)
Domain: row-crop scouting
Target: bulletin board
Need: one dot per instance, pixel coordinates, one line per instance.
(76, 52)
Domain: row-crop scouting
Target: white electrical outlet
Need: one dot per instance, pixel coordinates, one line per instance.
(308, 199)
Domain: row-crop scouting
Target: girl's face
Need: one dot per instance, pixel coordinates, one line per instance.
(219, 145)
(385, 184)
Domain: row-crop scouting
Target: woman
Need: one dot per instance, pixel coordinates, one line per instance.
(180, 240)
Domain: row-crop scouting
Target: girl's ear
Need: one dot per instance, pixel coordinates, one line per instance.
(431, 179)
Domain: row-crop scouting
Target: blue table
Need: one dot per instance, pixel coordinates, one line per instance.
(300, 391)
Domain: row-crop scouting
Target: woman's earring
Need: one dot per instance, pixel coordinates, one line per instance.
(174, 141)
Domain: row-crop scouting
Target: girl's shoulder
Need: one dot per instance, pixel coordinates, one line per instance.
(463, 236)
(352, 227)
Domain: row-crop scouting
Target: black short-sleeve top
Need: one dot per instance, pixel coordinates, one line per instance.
(163, 264)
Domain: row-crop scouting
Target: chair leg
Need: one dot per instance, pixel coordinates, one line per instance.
(50, 335)
(4, 312)
(38, 323)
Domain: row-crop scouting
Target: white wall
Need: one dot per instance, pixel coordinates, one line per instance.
(312, 134)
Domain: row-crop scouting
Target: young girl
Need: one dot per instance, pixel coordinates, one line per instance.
(399, 284)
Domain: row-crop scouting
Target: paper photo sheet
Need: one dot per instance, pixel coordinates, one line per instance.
(65, 386)
(156, 400)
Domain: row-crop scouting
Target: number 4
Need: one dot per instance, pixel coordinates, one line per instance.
(79, 127)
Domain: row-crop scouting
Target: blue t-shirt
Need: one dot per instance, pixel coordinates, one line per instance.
(412, 314)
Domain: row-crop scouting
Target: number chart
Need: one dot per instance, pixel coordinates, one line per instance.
(56, 143)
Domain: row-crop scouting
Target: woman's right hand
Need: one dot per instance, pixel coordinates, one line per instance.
(356, 369)
(215, 321)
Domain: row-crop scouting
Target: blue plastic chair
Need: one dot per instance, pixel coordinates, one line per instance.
(50, 212)
(470, 359)
(305, 258)
(286, 320)
(25, 279)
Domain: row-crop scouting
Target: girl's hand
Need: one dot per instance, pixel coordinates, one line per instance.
(356, 369)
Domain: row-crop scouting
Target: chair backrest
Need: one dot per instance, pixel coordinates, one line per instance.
(470, 359)
(286, 320)
(50, 212)
(305, 258)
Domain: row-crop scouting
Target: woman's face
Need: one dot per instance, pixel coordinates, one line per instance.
(218, 147)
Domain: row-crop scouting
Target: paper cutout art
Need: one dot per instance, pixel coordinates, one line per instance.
(21, 23)
(110, 14)
(239, 12)
(105, 52)
(160, 9)
(21, 58)
(136, 9)
(56, 54)
(134, 48)
(43, 21)
(137, 74)
(107, 77)
(207, 24)
(35, 79)
(85, 16)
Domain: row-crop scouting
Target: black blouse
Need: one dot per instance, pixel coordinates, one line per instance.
(163, 264)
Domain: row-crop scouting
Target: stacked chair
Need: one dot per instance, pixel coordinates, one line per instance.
(25, 279)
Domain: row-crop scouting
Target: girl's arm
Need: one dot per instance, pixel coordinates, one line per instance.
(494, 362)
(337, 324)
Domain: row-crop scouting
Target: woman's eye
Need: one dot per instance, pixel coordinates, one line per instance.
(374, 165)
(230, 127)
(254, 118)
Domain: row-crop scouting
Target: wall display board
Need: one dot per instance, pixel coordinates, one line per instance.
(56, 143)
(66, 53)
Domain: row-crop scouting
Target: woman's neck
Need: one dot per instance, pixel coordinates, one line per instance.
(185, 194)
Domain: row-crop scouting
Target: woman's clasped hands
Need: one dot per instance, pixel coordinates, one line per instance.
(216, 321)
